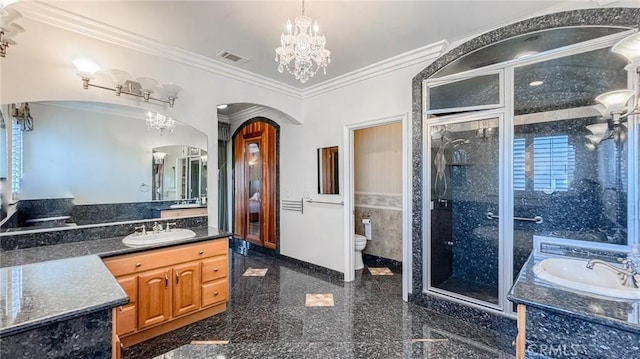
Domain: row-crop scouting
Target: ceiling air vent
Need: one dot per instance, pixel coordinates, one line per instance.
(231, 57)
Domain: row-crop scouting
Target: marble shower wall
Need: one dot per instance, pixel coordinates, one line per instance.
(385, 211)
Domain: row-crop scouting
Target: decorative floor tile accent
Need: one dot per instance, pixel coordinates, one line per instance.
(380, 271)
(319, 300)
(204, 342)
(255, 272)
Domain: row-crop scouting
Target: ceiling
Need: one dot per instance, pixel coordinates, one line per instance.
(359, 33)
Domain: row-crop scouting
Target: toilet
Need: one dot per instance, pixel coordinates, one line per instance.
(361, 242)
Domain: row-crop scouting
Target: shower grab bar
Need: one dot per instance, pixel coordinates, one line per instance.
(536, 219)
(341, 203)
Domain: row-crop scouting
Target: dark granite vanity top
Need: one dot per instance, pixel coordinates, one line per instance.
(532, 291)
(46, 284)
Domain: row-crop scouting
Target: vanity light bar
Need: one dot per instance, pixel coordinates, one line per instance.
(87, 68)
(118, 89)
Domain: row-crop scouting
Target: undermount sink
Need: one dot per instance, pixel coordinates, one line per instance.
(142, 240)
(574, 274)
(187, 205)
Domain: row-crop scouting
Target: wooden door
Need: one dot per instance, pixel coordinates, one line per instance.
(154, 297)
(255, 165)
(126, 314)
(186, 290)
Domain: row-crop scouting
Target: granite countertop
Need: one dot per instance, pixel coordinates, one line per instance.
(40, 293)
(46, 284)
(532, 291)
(107, 247)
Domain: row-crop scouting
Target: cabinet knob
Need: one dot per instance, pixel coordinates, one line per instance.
(120, 308)
(215, 269)
(215, 293)
(138, 264)
(121, 345)
(201, 252)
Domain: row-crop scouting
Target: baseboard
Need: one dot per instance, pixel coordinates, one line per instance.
(374, 261)
(330, 272)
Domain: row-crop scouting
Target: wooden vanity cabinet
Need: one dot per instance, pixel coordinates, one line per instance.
(169, 288)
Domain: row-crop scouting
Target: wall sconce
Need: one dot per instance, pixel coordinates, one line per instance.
(616, 101)
(143, 87)
(613, 105)
(8, 29)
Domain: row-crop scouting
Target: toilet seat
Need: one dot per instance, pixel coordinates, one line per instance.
(358, 238)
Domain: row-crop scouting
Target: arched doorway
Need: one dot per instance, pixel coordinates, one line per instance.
(255, 182)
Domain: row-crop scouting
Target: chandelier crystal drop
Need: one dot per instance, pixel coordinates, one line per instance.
(161, 123)
(305, 47)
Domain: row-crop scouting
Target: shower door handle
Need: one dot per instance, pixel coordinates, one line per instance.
(536, 219)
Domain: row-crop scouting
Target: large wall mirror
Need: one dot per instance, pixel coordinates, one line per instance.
(85, 163)
(328, 164)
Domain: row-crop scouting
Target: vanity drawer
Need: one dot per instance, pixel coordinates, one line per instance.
(139, 262)
(214, 292)
(214, 268)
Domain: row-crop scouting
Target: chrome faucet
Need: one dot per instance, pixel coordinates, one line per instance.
(144, 229)
(157, 227)
(168, 228)
(627, 274)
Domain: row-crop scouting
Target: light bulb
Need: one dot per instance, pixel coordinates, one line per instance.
(85, 67)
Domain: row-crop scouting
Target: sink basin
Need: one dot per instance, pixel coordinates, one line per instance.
(188, 205)
(139, 240)
(574, 274)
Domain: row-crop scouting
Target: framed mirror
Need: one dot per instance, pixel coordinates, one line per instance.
(328, 176)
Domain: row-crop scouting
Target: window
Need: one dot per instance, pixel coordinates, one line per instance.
(553, 164)
(16, 158)
(519, 179)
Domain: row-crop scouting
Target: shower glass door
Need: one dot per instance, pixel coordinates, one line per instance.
(464, 248)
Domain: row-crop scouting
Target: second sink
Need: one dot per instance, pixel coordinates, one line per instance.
(574, 274)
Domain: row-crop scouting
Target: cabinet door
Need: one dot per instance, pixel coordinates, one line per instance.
(126, 314)
(154, 297)
(186, 292)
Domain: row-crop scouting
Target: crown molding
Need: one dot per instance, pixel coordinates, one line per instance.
(420, 55)
(54, 16)
(51, 15)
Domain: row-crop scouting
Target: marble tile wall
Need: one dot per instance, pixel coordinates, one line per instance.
(17, 240)
(385, 212)
(84, 214)
(627, 17)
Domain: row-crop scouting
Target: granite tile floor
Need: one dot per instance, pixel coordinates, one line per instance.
(267, 318)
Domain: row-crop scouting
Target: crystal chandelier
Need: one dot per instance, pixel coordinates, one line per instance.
(304, 47)
(161, 123)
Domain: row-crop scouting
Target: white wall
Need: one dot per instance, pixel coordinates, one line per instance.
(91, 156)
(317, 235)
(378, 159)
